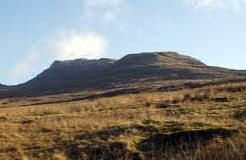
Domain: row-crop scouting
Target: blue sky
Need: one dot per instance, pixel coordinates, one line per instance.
(35, 33)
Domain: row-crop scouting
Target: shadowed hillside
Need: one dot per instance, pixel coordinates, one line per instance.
(3, 87)
(150, 68)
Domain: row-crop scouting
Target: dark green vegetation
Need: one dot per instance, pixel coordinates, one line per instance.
(206, 123)
(131, 72)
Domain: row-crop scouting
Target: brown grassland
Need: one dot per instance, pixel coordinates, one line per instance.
(206, 123)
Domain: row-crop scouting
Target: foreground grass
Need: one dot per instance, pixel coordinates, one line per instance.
(204, 123)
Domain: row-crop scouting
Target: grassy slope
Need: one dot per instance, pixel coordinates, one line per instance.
(129, 126)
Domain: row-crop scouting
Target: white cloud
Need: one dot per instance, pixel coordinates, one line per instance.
(68, 45)
(77, 44)
(215, 4)
(23, 68)
(103, 10)
(108, 16)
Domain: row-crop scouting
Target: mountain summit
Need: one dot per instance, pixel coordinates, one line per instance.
(83, 74)
(164, 59)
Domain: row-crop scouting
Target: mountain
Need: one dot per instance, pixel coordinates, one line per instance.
(2, 86)
(3, 89)
(83, 74)
(68, 74)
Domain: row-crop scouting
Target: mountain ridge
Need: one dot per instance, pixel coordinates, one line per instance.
(158, 57)
(82, 74)
(2, 86)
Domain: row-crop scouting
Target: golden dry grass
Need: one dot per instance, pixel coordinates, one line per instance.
(83, 129)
